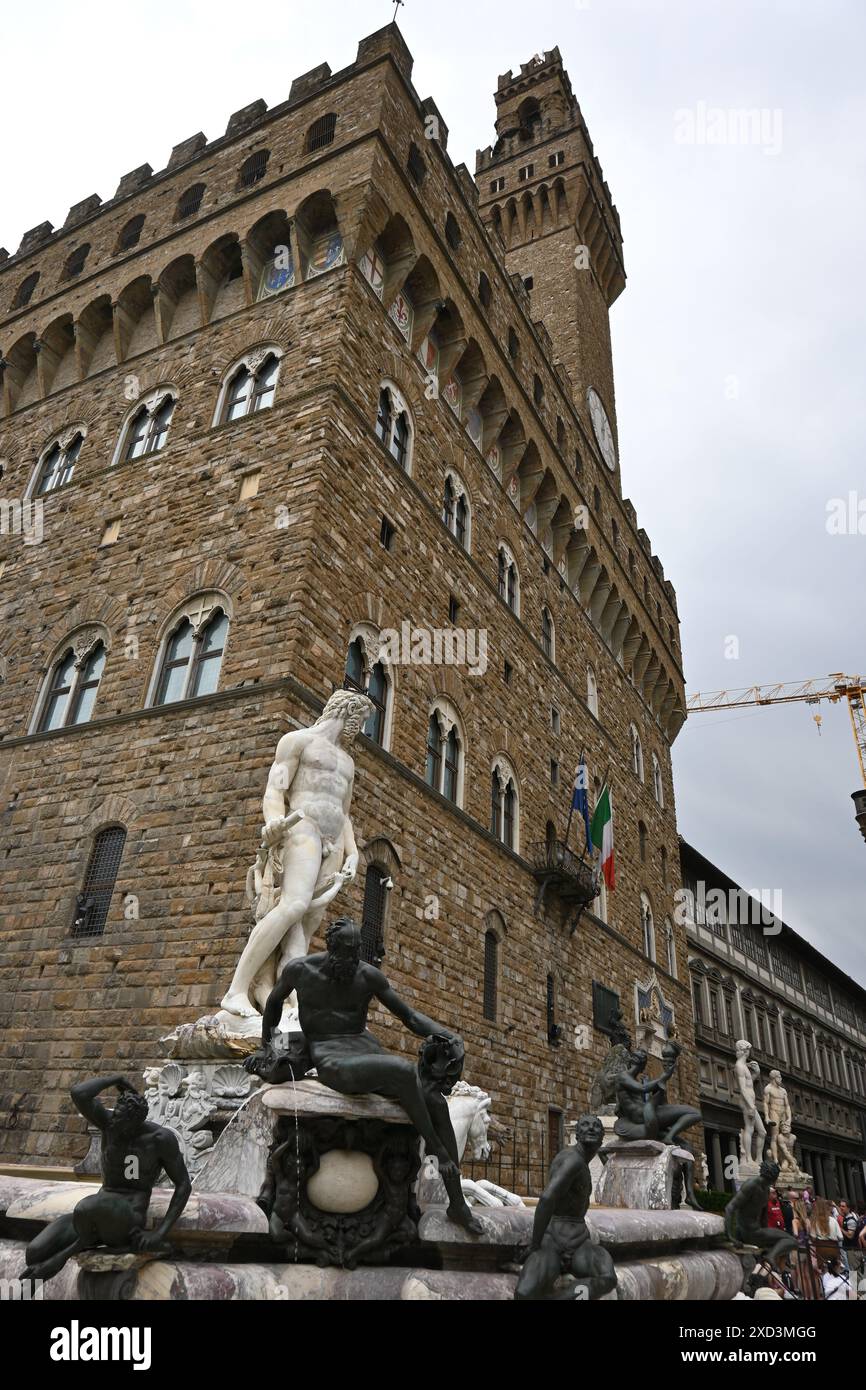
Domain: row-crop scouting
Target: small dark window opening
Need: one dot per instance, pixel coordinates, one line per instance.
(75, 262)
(491, 954)
(453, 609)
(386, 533)
(253, 168)
(513, 344)
(190, 201)
(25, 290)
(537, 389)
(373, 914)
(321, 132)
(452, 232)
(485, 294)
(528, 281)
(92, 904)
(131, 234)
(507, 671)
(416, 165)
(554, 1032)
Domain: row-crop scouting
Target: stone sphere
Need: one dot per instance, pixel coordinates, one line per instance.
(345, 1182)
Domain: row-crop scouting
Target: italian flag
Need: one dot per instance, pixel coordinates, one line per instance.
(602, 835)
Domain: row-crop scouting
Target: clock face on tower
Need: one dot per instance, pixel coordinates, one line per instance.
(601, 426)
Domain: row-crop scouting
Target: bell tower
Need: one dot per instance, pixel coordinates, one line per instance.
(541, 188)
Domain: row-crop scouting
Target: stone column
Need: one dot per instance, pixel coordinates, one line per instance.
(717, 1172)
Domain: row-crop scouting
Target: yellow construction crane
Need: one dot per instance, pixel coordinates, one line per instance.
(834, 688)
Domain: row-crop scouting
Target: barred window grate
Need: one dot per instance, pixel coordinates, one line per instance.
(254, 168)
(373, 914)
(95, 897)
(491, 961)
(321, 132)
(190, 201)
(131, 233)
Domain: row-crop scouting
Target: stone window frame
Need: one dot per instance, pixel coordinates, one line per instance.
(399, 406)
(548, 635)
(83, 642)
(495, 931)
(369, 636)
(648, 927)
(670, 947)
(198, 609)
(657, 782)
(502, 770)
(448, 717)
(152, 401)
(592, 691)
(637, 763)
(65, 438)
(503, 550)
(253, 360)
(460, 493)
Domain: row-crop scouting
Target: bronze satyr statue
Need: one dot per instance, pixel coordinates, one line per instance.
(561, 1243)
(334, 990)
(641, 1105)
(746, 1215)
(134, 1153)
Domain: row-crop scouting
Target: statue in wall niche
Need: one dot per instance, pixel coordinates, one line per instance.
(642, 1107)
(746, 1216)
(134, 1151)
(334, 991)
(777, 1117)
(753, 1126)
(561, 1243)
(308, 849)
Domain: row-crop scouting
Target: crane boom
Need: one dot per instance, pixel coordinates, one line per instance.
(834, 688)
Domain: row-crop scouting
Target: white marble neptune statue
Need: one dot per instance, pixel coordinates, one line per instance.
(308, 849)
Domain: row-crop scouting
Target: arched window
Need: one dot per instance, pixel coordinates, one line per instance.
(94, 900)
(394, 425)
(57, 464)
(504, 804)
(636, 752)
(451, 770)
(75, 261)
(192, 654)
(376, 687)
(671, 947)
(131, 233)
(253, 168)
(648, 931)
(455, 509)
(24, 293)
(444, 765)
(491, 974)
(591, 691)
(485, 293)
(548, 635)
(658, 785)
(641, 840)
(433, 771)
(146, 430)
(189, 202)
(453, 234)
(416, 164)
(376, 881)
(72, 686)
(663, 864)
(250, 387)
(321, 132)
(509, 580)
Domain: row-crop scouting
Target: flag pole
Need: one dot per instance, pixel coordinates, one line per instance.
(571, 806)
(604, 783)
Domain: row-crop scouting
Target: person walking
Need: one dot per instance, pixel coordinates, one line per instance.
(806, 1279)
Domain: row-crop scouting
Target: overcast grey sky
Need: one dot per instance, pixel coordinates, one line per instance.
(737, 341)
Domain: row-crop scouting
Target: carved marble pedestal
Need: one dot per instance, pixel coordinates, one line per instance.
(332, 1173)
(640, 1174)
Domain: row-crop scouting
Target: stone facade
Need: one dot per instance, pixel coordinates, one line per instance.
(277, 518)
(753, 977)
